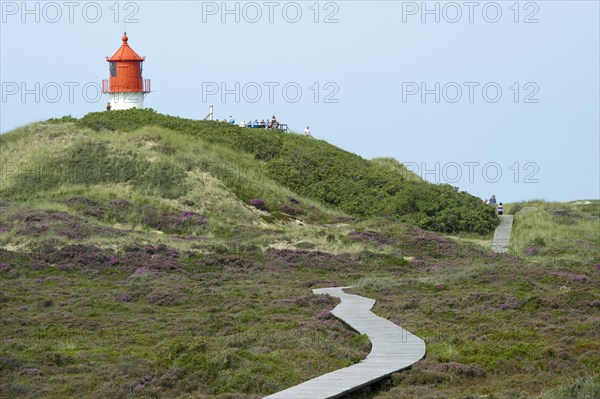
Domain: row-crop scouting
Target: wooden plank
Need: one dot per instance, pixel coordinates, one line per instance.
(502, 234)
(393, 349)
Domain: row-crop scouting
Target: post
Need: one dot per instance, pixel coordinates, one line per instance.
(209, 117)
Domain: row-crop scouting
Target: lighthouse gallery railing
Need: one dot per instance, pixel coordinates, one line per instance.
(144, 84)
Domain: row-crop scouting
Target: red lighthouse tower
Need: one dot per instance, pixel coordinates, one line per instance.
(126, 86)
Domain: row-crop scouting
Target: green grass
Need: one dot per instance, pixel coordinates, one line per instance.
(563, 234)
(582, 388)
(234, 316)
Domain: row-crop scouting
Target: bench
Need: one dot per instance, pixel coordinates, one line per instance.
(281, 126)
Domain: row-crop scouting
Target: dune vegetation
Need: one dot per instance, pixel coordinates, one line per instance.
(149, 256)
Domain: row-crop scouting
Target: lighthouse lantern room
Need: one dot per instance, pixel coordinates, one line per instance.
(126, 86)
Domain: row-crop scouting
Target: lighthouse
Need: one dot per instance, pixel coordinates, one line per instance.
(126, 86)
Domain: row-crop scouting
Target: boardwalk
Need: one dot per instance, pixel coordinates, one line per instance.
(393, 349)
(502, 234)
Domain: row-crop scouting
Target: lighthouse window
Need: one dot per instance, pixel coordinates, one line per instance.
(141, 68)
(113, 69)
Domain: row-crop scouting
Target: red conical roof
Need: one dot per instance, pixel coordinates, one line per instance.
(125, 53)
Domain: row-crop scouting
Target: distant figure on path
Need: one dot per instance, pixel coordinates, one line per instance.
(108, 106)
(231, 120)
(500, 209)
(274, 123)
(307, 131)
(493, 200)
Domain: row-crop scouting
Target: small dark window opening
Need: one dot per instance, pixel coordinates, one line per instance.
(113, 69)
(141, 68)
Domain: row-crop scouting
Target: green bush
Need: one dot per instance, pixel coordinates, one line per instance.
(64, 119)
(320, 171)
(539, 241)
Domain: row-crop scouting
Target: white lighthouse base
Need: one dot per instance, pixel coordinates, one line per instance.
(126, 100)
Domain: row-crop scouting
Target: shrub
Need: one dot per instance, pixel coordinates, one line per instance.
(64, 119)
(136, 257)
(572, 276)
(85, 256)
(292, 211)
(231, 261)
(470, 370)
(258, 203)
(126, 297)
(171, 222)
(46, 303)
(9, 363)
(531, 250)
(373, 236)
(192, 217)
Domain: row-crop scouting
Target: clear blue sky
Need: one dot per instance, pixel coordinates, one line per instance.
(369, 72)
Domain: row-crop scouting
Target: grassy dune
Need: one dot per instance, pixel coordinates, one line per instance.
(559, 234)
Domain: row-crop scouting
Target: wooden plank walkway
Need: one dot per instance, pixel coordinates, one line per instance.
(393, 349)
(501, 240)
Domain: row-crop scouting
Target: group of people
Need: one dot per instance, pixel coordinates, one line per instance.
(263, 124)
(271, 123)
(492, 201)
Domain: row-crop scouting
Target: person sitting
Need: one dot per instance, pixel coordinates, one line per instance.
(256, 124)
(500, 209)
(243, 123)
(108, 107)
(231, 120)
(263, 124)
(249, 123)
(307, 131)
